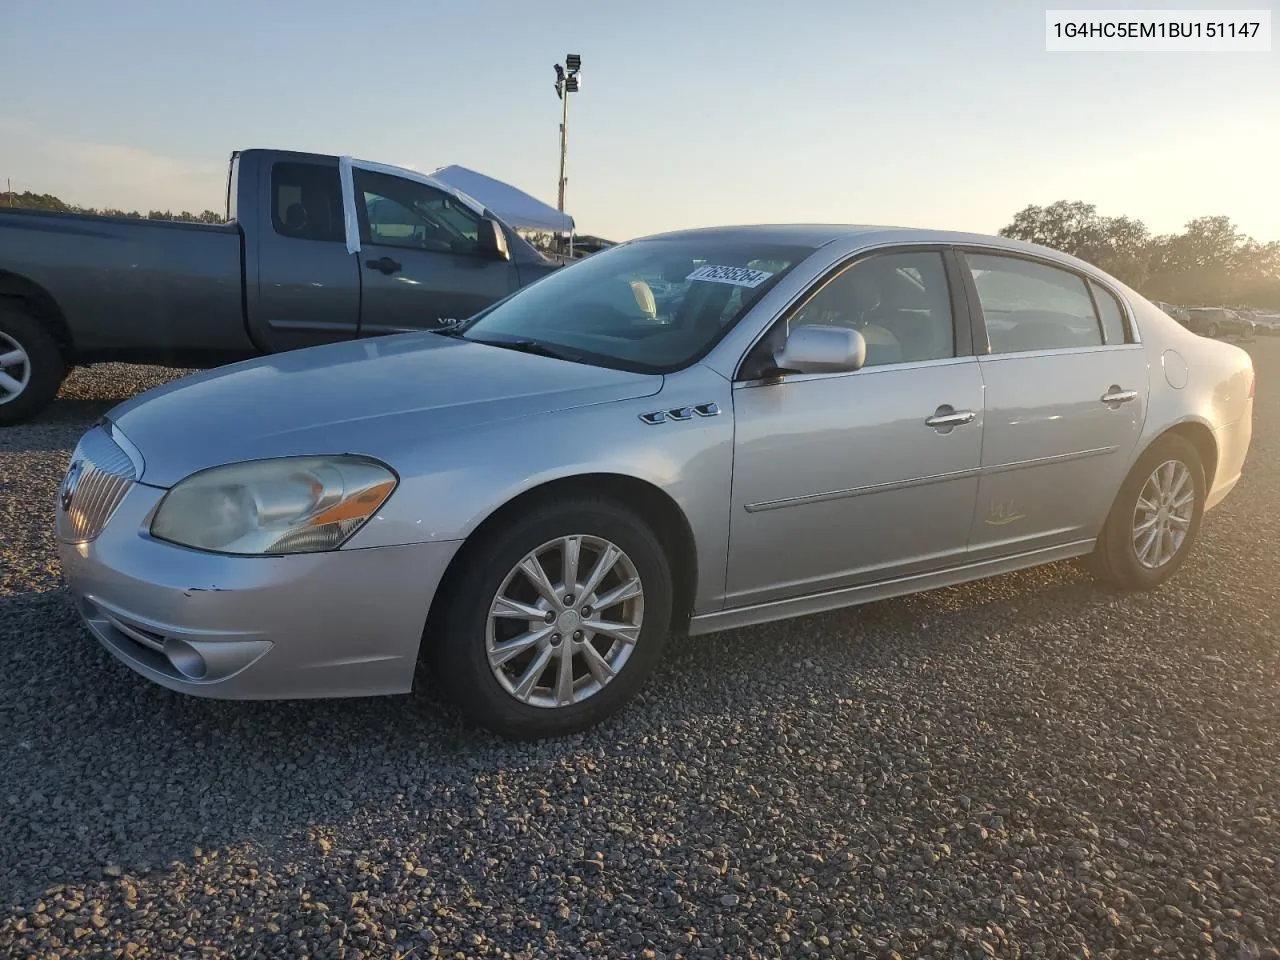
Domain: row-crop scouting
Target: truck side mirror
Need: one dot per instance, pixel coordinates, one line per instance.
(491, 239)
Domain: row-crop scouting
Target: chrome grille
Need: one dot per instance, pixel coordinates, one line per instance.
(99, 476)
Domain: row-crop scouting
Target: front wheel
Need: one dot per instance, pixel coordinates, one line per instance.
(1155, 519)
(1212, 331)
(554, 620)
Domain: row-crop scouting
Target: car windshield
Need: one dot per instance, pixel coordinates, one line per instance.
(651, 306)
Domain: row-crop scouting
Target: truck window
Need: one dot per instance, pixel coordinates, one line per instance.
(404, 213)
(307, 201)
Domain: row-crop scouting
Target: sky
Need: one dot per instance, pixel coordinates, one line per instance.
(937, 113)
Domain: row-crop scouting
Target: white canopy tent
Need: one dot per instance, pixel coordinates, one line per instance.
(515, 207)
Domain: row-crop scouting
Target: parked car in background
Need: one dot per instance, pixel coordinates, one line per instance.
(1249, 328)
(317, 249)
(536, 499)
(1218, 322)
(1267, 324)
(1178, 313)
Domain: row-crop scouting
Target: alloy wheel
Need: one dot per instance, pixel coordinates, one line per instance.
(15, 368)
(565, 621)
(1163, 514)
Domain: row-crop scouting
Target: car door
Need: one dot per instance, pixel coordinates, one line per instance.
(1066, 395)
(421, 265)
(307, 285)
(848, 478)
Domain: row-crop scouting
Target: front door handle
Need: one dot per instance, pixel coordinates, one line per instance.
(946, 416)
(1116, 395)
(386, 265)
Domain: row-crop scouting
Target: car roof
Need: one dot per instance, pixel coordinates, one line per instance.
(820, 234)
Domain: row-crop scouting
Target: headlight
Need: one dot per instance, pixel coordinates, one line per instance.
(290, 505)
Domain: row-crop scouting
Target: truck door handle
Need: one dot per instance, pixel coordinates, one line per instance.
(385, 265)
(947, 416)
(1116, 395)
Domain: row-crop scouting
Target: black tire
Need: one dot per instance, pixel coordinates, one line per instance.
(1212, 331)
(45, 365)
(1115, 558)
(456, 633)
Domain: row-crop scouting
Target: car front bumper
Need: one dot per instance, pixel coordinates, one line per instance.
(337, 624)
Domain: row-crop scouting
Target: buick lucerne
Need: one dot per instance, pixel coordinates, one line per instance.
(681, 434)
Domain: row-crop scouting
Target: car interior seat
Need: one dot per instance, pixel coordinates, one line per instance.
(295, 218)
(1041, 330)
(854, 300)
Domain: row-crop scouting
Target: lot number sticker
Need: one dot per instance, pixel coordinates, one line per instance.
(738, 276)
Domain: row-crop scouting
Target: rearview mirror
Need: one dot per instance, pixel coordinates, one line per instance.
(491, 239)
(822, 349)
(677, 271)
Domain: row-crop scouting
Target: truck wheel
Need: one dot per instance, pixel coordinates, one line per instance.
(1155, 519)
(555, 619)
(31, 366)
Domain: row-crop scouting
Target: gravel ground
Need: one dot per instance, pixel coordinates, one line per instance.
(1021, 767)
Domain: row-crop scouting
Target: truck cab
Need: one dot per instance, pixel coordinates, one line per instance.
(419, 254)
(314, 249)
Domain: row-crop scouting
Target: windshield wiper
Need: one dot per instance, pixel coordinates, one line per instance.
(536, 347)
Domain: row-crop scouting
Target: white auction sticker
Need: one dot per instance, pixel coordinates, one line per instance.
(738, 276)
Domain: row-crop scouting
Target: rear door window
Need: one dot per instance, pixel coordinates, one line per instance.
(1111, 315)
(1030, 306)
(306, 201)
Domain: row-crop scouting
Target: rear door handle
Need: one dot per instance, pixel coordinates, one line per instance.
(385, 265)
(1116, 395)
(947, 416)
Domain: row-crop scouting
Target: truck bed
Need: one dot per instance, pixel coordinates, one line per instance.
(133, 287)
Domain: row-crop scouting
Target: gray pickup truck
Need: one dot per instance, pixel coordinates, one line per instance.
(316, 248)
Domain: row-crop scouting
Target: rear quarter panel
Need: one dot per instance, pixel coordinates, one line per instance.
(1197, 380)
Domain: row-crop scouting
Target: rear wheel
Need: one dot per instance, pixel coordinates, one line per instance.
(1212, 331)
(31, 366)
(1155, 519)
(554, 620)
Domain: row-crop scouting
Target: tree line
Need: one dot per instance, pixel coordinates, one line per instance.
(1210, 263)
(47, 201)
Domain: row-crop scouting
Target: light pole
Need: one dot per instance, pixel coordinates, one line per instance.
(567, 82)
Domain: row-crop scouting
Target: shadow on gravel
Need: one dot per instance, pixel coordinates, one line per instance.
(58, 427)
(101, 767)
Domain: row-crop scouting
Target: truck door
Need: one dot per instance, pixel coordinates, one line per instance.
(419, 260)
(306, 289)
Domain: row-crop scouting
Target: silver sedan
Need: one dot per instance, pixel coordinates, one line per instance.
(536, 500)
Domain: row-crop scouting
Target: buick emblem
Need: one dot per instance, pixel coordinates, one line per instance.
(70, 482)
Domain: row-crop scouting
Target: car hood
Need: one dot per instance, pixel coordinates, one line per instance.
(364, 396)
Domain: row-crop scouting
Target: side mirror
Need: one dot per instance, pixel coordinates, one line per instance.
(822, 349)
(491, 239)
